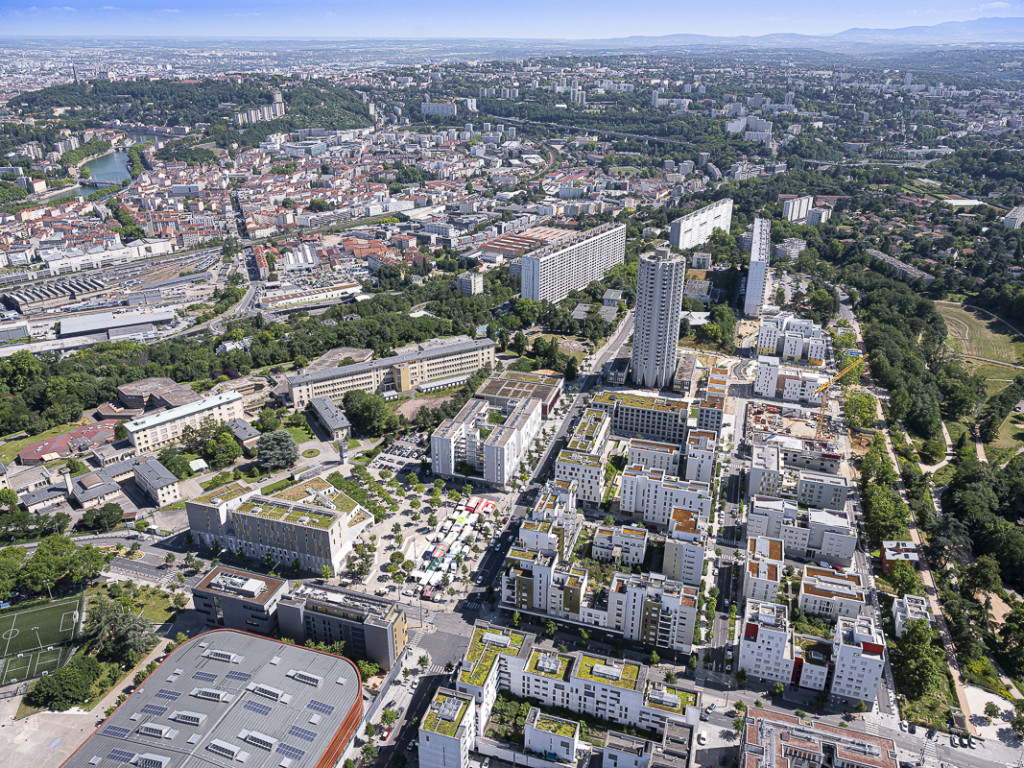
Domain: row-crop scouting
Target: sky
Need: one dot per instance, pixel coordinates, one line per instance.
(490, 18)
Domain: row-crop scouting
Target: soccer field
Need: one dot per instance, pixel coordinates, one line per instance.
(36, 640)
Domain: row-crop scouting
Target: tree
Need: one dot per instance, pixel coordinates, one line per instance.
(105, 517)
(905, 579)
(609, 520)
(388, 716)
(369, 413)
(326, 572)
(741, 677)
(423, 661)
(432, 520)
(367, 669)
(655, 658)
(120, 431)
(777, 690)
(115, 634)
(175, 462)
(277, 450)
(923, 669)
(369, 751)
(268, 421)
(516, 620)
(584, 637)
(141, 526)
(991, 709)
(572, 369)
(12, 559)
(549, 629)
(370, 730)
(860, 410)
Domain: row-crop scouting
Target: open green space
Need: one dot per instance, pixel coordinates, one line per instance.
(975, 334)
(10, 451)
(37, 640)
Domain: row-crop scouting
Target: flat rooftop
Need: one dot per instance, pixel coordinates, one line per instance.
(226, 697)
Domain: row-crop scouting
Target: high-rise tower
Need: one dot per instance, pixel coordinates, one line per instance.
(659, 302)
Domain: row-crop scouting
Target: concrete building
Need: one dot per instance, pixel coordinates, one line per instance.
(711, 413)
(685, 547)
(758, 276)
(777, 740)
(371, 627)
(826, 593)
(625, 545)
(332, 418)
(659, 297)
(443, 109)
(1015, 218)
(762, 572)
(650, 454)
(226, 697)
(554, 525)
(235, 517)
(652, 418)
(792, 339)
(770, 476)
(794, 385)
(701, 446)
(898, 552)
(447, 733)
(582, 459)
(237, 599)
(153, 432)
(818, 216)
(826, 535)
(156, 481)
(486, 441)
(507, 389)
(694, 229)
(551, 272)
(470, 283)
(766, 643)
(430, 365)
(858, 653)
(796, 209)
(654, 496)
(911, 608)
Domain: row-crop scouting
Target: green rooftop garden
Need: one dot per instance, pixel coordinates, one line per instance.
(684, 696)
(224, 493)
(629, 673)
(563, 666)
(434, 723)
(555, 725)
(287, 514)
(482, 655)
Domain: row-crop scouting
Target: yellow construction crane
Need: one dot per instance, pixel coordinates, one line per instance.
(824, 390)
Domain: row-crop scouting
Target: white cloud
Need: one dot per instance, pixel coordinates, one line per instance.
(994, 6)
(64, 9)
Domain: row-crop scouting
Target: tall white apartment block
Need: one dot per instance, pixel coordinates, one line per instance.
(651, 454)
(1015, 218)
(447, 732)
(685, 547)
(655, 495)
(696, 228)
(470, 283)
(818, 216)
(551, 272)
(444, 109)
(766, 647)
(651, 608)
(622, 544)
(582, 459)
(796, 209)
(791, 384)
(762, 573)
(701, 445)
(758, 277)
(858, 653)
(659, 297)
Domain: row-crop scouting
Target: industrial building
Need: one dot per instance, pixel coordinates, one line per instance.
(226, 697)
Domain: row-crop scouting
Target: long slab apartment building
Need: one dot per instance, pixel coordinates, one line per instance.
(157, 430)
(553, 271)
(430, 365)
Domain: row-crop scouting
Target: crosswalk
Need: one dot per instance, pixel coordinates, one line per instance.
(435, 669)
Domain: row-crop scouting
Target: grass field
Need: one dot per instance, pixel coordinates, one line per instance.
(37, 640)
(996, 376)
(10, 451)
(975, 334)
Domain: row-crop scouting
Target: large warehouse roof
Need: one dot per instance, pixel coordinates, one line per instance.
(228, 696)
(104, 321)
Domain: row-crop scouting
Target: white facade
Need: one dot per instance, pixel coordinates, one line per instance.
(758, 277)
(910, 608)
(818, 534)
(165, 428)
(791, 338)
(659, 297)
(790, 384)
(439, 108)
(651, 454)
(551, 272)
(765, 647)
(655, 495)
(471, 283)
(700, 455)
(823, 592)
(625, 544)
(696, 228)
(858, 652)
(1015, 218)
(582, 460)
(685, 548)
(796, 209)
(818, 216)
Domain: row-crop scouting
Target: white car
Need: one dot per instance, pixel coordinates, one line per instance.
(702, 738)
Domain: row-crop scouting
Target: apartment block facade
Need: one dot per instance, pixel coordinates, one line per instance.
(150, 433)
(652, 418)
(553, 271)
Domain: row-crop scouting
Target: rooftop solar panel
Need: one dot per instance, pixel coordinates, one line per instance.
(255, 706)
(302, 733)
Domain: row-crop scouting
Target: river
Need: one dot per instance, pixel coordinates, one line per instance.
(112, 168)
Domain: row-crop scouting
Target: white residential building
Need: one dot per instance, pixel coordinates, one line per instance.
(625, 545)
(792, 339)
(447, 733)
(819, 215)
(651, 454)
(796, 209)
(441, 108)
(695, 229)
(766, 646)
(762, 572)
(818, 534)
(470, 283)
(685, 547)
(654, 495)
(858, 653)
(659, 297)
(758, 277)
(652, 418)
(790, 384)
(554, 270)
(823, 592)
(582, 459)
(911, 608)
(770, 476)
(1015, 218)
(701, 445)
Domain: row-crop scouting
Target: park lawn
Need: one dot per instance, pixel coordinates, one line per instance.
(974, 334)
(1008, 440)
(154, 603)
(299, 435)
(997, 377)
(10, 451)
(955, 429)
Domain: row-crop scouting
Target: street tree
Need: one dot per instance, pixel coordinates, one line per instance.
(277, 450)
